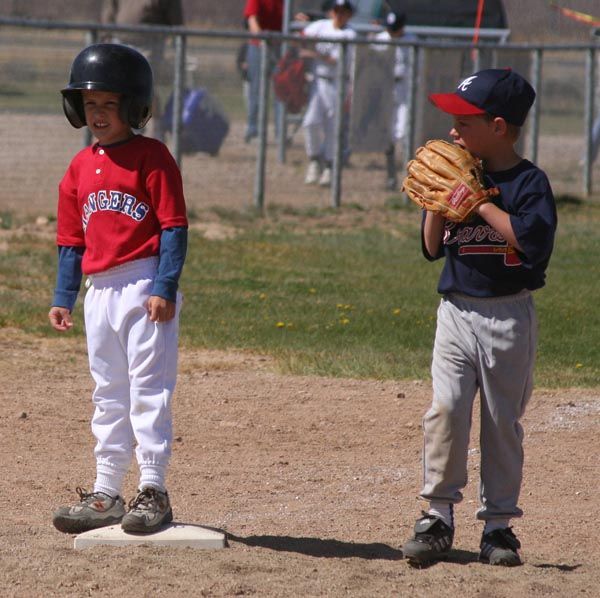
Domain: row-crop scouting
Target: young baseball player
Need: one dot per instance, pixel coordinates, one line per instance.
(394, 30)
(319, 118)
(121, 222)
(486, 323)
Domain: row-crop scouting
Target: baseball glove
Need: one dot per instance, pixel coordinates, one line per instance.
(446, 179)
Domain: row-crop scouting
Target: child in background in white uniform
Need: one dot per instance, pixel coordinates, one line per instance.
(319, 118)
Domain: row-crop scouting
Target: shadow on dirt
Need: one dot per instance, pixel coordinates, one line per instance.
(324, 548)
(564, 568)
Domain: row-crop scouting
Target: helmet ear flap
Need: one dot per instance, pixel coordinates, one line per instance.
(143, 114)
(134, 112)
(73, 109)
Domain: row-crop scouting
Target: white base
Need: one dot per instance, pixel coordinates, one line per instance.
(175, 534)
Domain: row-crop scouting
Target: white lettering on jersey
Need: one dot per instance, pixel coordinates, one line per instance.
(113, 201)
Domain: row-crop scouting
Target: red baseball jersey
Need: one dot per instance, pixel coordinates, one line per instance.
(268, 12)
(116, 200)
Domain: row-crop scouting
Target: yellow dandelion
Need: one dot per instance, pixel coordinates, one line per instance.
(280, 324)
(262, 296)
(344, 321)
(396, 311)
(579, 365)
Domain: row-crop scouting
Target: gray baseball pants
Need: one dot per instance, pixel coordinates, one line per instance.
(487, 345)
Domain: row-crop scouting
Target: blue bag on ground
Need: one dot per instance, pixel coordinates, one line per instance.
(204, 125)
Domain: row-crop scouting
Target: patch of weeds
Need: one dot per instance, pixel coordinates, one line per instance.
(566, 199)
(355, 206)
(6, 220)
(236, 216)
(396, 202)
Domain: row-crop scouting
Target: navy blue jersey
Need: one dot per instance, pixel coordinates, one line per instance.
(480, 262)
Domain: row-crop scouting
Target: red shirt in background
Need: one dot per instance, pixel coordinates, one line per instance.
(268, 12)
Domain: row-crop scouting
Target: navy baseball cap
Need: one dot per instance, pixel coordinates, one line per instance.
(395, 21)
(499, 92)
(342, 4)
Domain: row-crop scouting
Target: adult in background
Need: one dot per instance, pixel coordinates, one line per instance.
(145, 12)
(260, 15)
(394, 30)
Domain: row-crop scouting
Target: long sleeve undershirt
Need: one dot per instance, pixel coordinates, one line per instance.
(173, 248)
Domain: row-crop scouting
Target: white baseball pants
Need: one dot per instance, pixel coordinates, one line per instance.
(133, 362)
(487, 345)
(399, 111)
(319, 121)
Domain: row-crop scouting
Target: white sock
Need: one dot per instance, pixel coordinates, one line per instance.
(153, 476)
(443, 510)
(494, 524)
(109, 480)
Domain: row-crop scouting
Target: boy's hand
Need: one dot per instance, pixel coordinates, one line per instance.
(160, 310)
(60, 319)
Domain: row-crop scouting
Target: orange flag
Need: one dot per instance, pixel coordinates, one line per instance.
(575, 15)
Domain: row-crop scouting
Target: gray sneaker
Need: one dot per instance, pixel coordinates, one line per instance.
(148, 512)
(94, 509)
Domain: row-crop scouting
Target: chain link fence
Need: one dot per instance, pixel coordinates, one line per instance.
(268, 171)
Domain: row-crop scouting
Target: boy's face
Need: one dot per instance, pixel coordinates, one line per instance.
(477, 134)
(340, 17)
(102, 116)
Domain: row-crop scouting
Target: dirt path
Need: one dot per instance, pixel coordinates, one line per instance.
(313, 480)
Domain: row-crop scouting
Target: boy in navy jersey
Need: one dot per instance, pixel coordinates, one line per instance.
(122, 222)
(486, 323)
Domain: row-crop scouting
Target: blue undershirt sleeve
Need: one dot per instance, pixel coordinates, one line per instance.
(68, 278)
(173, 248)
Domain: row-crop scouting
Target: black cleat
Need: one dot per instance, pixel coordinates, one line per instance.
(432, 541)
(500, 548)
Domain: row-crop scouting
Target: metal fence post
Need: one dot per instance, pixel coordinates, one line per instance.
(178, 87)
(91, 37)
(409, 140)
(282, 112)
(338, 127)
(590, 78)
(536, 78)
(263, 112)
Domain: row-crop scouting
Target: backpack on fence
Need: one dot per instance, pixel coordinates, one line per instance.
(204, 125)
(289, 82)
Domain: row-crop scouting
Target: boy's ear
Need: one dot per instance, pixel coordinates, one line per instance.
(500, 125)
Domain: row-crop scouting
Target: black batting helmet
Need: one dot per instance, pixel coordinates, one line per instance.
(110, 67)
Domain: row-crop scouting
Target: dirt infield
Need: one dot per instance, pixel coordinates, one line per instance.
(313, 480)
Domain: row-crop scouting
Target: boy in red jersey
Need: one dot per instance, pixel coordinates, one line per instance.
(122, 222)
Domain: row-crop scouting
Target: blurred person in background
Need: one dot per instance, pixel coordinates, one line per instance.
(145, 12)
(319, 119)
(260, 15)
(394, 30)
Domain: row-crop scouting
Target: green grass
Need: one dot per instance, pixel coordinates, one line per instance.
(339, 304)
(356, 302)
